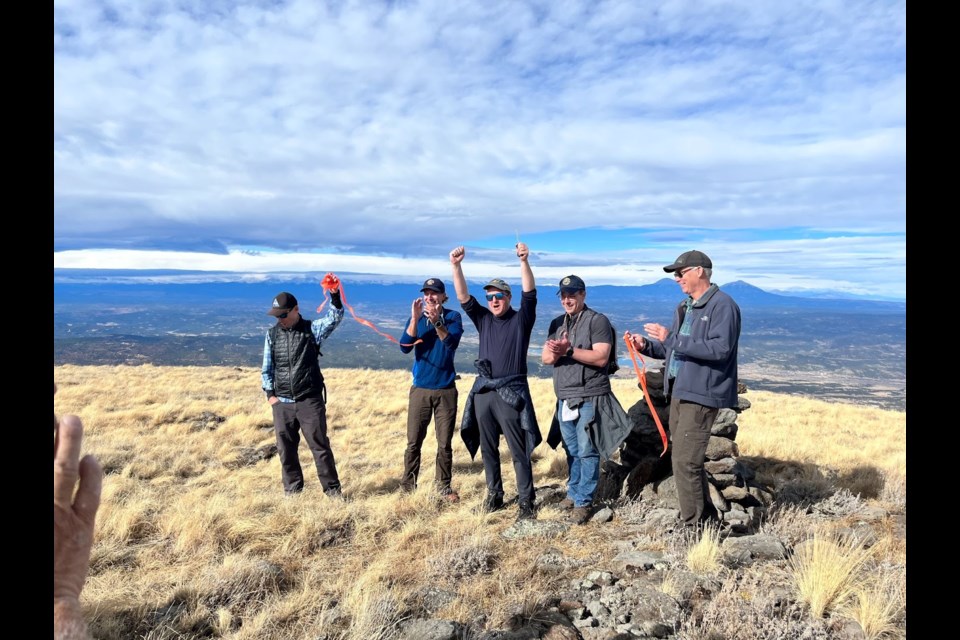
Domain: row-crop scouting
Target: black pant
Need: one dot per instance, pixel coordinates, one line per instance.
(310, 416)
(441, 405)
(690, 425)
(494, 416)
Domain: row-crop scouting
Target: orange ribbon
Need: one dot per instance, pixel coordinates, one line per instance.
(642, 376)
(330, 283)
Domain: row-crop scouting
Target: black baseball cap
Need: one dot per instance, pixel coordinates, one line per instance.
(689, 259)
(571, 284)
(283, 303)
(434, 284)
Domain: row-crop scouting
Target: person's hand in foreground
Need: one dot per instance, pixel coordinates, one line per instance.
(74, 515)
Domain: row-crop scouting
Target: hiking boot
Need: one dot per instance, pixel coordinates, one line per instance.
(566, 504)
(526, 511)
(449, 495)
(335, 494)
(492, 503)
(580, 515)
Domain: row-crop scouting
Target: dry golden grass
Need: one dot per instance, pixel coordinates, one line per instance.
(190, 542)
(704, 555)
(828, 571)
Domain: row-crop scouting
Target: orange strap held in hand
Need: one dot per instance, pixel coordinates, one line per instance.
(642, 376)
(330, 283)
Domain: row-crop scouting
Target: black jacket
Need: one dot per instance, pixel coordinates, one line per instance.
(296, 361)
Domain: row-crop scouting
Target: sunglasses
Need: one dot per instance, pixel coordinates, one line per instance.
(283, 316)
(679, 274)
(499, 295)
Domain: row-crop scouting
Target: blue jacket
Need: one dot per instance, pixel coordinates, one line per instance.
(708, 375)
(433, 358)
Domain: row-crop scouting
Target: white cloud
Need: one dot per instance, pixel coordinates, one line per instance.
(365, 125)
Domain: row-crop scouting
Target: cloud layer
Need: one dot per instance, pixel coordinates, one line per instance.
(771, 134)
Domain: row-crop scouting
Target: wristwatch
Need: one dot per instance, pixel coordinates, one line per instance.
(438, 323)
(569, 352)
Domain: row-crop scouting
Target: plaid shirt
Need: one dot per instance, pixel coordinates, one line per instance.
(321, 329)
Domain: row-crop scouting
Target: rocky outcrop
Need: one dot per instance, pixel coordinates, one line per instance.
(642, 471)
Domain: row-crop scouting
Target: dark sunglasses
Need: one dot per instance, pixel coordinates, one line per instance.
(499, 295)
(283, 315)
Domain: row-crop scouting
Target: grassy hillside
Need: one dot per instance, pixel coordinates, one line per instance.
(194, 540)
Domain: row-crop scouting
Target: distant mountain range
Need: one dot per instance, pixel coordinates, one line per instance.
(847, 349)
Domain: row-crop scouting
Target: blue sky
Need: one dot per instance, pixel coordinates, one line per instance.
(372, 137)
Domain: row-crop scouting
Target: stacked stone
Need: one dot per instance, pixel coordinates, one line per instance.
(642, 471)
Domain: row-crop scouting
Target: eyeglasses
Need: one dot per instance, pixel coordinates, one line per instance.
(283, 315)
(499, 295)
(679, 274)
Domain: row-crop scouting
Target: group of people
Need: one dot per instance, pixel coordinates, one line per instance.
(700, 377)
(699, 351)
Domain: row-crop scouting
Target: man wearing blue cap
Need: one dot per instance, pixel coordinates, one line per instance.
(433, 334)
(700, 374)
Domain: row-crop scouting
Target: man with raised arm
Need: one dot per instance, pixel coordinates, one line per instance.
(433, 334)
(296, 392)
(500, 402)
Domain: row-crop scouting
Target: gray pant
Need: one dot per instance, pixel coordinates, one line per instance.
(690, 425)
(441, 405)
(310, 416)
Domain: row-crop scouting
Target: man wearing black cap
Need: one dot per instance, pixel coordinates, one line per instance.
(433, 334)
(700, 374)
(499, 401)
(295, 390)
(588, 419)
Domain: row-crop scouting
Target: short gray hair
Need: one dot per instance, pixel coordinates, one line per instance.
(707, 273)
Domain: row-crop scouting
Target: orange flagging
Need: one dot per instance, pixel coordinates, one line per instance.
(331, 282)
(642, 376)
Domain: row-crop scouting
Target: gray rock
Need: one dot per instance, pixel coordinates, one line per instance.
(723, 480)
(723, 465)
(718, 448)
(735, 493)
(749, 549)
(716, 498)
(725, 417)
(602, 516)
(431, 630)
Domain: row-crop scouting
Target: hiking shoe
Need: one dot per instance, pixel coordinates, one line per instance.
(335, 494)
(449, 495)
(492, 503)
(580, 515)
(566, 504)
(526, 512)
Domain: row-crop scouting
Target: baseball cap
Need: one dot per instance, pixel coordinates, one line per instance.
(689, 259)
(497, 283)
(571, 284)
(434, 284)
(282, 303)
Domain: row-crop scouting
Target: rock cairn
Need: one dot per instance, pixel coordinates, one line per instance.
(641, 471)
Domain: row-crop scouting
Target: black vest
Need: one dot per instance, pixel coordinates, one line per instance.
(296, 365)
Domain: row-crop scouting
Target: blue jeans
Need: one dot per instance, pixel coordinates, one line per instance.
(583, 459)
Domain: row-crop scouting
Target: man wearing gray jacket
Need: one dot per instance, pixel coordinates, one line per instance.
(700, 373)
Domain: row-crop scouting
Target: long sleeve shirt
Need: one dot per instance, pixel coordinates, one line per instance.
(433, 358)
